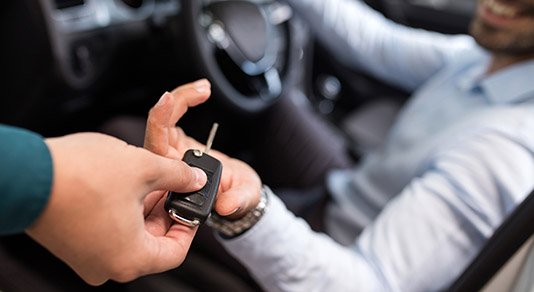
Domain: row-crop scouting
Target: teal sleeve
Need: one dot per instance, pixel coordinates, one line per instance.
(26, 175)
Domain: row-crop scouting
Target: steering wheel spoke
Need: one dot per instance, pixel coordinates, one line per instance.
(278, 13)
(273, 85)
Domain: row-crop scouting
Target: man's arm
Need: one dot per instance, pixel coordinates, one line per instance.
(365, 39)
(420, 242)
(25, 178)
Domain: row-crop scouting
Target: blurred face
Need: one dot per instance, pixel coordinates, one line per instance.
(505, 26)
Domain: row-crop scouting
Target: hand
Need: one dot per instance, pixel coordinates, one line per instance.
(97, 220)
(240, 187)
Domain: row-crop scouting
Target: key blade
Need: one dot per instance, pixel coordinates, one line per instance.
(211, 137)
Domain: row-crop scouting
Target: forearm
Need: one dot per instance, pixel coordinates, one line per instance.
(25, 178)
(284, 254)
(365, 39)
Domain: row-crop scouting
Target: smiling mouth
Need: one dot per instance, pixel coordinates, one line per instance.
(505, 10)
(500, 9)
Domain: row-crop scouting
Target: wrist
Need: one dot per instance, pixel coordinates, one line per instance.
(229, 228)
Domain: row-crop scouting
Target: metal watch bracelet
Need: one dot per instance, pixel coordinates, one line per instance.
(232, 228)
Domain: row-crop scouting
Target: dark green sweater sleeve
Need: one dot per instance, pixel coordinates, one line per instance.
(25, 178)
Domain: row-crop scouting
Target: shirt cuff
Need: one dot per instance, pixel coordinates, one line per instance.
(266, 247)
(26, 176)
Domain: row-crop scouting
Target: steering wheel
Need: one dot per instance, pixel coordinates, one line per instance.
(243, 47)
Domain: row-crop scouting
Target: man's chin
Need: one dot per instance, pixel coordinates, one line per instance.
(499, 42)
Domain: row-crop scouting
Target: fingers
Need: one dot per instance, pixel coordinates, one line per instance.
(151, 200)
(186, 142)
(240, 189)
(93, 278)
(172, 249)
(173, 239)
(189, 95)
(237, 202)
(154, 254)
(165, 114)
(158, 222)
(158, 123)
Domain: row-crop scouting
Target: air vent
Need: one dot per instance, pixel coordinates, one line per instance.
(62, 4)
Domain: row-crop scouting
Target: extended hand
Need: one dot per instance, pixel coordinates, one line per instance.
(239, 191)
(97, 219)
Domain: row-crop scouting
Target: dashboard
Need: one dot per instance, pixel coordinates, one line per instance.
(72, 64)
(79, 43)
(69, 64)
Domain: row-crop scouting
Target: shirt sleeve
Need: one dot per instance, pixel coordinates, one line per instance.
(421, 241)
(364, 39)
(284, 254)
(26, 176)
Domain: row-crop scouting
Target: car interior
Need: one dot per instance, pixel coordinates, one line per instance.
(100, 65)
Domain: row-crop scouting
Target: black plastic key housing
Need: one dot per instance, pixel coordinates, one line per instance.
(194, 208)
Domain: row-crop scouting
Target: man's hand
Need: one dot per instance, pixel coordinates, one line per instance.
(240, 186)
(97, 219)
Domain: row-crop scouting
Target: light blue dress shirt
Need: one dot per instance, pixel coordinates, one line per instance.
(458, 160)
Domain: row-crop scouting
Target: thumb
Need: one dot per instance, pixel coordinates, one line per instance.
(175, 175)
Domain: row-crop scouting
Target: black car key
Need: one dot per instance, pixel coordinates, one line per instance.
(194, 208)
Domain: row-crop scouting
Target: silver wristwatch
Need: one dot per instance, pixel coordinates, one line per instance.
(232, 228)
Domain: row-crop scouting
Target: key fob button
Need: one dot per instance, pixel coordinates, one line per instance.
(205, 190)
(196, 206)
(196, 198)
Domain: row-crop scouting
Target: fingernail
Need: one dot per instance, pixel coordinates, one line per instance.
(202, 82)
(163, 99)
(201, 89)
(231, 213)
(201, 176)
(202, 85)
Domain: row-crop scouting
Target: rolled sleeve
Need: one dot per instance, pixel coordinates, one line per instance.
(363, 38)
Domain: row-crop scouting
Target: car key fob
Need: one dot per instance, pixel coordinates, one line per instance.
(194, 208)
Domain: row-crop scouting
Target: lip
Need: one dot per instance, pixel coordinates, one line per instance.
(515, 13)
